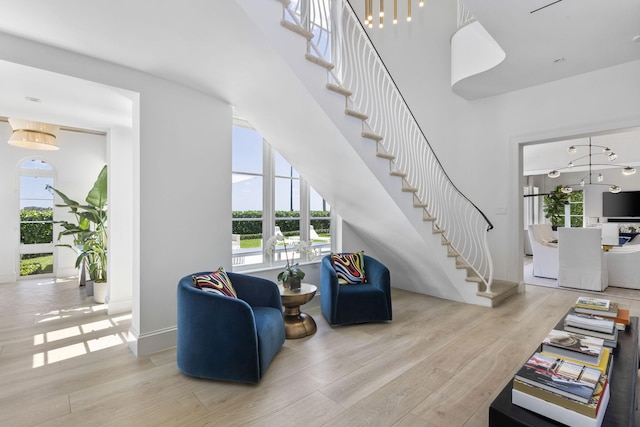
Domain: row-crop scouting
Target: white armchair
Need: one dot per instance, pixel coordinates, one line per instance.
(610, 234)
(545, 251)
(583, 264)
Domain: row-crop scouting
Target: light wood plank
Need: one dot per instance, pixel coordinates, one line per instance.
(64, 362)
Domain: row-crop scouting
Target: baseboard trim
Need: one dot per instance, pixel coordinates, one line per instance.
(8, 278)
(120, 306)
(146, 344)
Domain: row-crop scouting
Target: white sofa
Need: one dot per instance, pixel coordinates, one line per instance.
(623, 262)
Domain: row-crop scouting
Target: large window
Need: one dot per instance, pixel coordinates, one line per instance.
(269, 196)
(36, 218)
(576, 209)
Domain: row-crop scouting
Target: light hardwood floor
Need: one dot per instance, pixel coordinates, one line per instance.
(64, 362)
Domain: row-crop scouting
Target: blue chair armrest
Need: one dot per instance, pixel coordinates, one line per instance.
(377, 274)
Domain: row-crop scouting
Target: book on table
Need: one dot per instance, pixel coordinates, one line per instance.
(583, 348)
(559, 376)
(593, 303)
(605, 365)
(610, 340)
(612, 312)
(589, 409)
(622, 320)
(606, 325)
(559, 413)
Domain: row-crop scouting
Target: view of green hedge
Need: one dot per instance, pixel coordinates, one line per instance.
(289, 227)
(36, 264)
(36, 232)
(42, 232)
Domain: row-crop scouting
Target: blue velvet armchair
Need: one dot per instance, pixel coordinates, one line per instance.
(361, 303)
(229, 339)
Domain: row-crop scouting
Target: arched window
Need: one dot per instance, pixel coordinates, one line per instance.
(36, 218)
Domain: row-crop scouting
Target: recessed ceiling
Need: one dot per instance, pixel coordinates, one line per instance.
(34, 94)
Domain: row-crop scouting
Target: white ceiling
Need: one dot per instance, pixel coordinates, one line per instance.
(39, 95)
(585, 35)
(183, 40)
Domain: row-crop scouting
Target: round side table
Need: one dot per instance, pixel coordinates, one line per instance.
(296, 323)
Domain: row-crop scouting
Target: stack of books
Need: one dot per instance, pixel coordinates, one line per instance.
(569, 393)
(567, 380)
(603, 308)
(595, 326)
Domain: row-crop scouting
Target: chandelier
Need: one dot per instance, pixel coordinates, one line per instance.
(607, 152)
(34, 135)
(368, 12)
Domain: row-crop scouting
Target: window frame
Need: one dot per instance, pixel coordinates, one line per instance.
(269, 212)
(35, 248)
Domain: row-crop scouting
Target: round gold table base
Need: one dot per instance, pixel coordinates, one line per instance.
(296, 323)
(299, 326)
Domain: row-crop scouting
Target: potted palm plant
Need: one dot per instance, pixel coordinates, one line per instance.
(89, 233)
(554, 204)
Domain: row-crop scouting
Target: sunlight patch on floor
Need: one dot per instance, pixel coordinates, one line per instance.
(85, 345)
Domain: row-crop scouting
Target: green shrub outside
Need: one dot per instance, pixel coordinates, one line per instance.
(36, 232)
(42, 232)
(36, 264)
(289, 227)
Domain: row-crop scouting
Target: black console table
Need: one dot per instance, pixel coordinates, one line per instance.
(622, 403)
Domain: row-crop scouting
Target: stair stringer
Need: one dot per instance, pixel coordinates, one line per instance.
(436, 252)
(389, 229)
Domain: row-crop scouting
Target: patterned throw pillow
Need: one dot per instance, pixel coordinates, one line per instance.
(217, 282)
(349, 268)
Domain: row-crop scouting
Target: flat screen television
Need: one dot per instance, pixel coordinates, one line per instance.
(625, 203)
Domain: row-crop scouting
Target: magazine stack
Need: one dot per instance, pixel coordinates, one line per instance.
(567, 379)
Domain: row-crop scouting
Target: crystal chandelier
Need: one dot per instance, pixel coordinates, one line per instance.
(607, 152)
(368, 12)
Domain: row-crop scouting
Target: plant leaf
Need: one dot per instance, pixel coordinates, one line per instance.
(98, 194)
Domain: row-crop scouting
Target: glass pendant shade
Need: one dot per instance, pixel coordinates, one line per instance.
(614, 189)
(553, 174)
(566, 189)
(628, 170)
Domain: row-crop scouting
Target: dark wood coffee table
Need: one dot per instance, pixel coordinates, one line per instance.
(622, 403)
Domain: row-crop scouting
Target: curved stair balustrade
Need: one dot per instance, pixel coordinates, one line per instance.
(355, 69)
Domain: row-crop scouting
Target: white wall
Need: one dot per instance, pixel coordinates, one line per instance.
(77, 164)
(180, 217)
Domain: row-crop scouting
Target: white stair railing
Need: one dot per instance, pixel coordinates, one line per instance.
(339, 38)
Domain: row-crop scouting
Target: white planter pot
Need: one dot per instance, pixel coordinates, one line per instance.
(100, 290)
